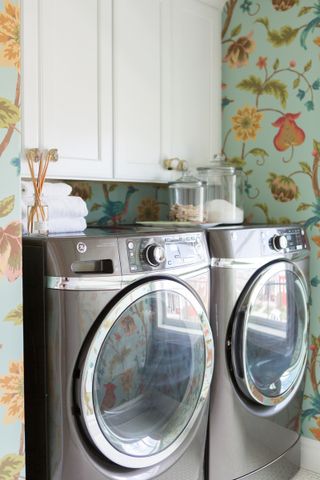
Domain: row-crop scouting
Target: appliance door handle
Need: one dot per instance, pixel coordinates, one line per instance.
(237, 345)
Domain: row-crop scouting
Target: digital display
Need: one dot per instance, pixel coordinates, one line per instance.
(179, 253)
(187, 250)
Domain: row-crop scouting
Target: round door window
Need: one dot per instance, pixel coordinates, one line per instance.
(270, 335)
(147, 372)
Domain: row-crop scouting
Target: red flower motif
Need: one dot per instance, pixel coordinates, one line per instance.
(289, 135)
(262, 62)
(10, 251)
(293, 64)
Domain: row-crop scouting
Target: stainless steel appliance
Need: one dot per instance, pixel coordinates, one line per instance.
(259, 311)
(118, 355)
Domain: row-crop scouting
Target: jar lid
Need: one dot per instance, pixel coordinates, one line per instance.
(219, 166)
(187, 181)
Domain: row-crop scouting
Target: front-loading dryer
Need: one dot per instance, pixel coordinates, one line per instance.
(118, 355)
(259, 311)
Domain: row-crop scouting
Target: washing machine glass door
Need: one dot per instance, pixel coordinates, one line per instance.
(146, 373)
(269, 335)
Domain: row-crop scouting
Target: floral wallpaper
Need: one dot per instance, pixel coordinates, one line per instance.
(271, 104)
(122, 203)
(11, 346)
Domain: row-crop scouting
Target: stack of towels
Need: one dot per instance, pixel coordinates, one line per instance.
(66, 213)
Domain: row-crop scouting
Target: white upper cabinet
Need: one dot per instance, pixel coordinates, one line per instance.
(67, 84)
(191, 81)
(137, 89)
(119, 86)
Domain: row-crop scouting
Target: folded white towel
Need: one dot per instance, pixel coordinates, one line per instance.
(50, 189)
(62, 225)
(59, 207)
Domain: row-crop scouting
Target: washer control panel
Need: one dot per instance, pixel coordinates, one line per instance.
(166, 251)
(287, 240)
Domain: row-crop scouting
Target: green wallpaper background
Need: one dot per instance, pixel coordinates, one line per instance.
(271, 125)
(11, 345)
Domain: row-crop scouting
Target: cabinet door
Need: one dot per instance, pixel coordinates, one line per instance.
(137, 90)
(191, 80)
(67, 84)
(167, 78)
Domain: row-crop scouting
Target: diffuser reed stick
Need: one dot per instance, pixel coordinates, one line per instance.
(38, 213)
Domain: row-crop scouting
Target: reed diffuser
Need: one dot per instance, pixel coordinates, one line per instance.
(38, 214)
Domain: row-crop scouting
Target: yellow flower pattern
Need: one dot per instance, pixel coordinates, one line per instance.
(246, 123)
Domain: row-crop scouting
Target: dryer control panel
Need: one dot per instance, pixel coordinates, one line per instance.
(166, 251)
(286, 240)
(256, 241)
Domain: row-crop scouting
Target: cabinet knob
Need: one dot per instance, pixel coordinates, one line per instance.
(176, 164)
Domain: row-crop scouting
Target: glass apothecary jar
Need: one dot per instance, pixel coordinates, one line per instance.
(224, 198)
(188, 199)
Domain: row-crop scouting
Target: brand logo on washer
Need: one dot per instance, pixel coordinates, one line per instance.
(81, 247)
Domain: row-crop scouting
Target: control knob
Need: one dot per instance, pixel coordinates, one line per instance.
(154, 254)
(279, 242)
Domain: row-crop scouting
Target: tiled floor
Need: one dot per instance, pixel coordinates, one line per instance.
(306, 475)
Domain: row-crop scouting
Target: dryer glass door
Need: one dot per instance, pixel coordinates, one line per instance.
(269, 339)
(147, 373)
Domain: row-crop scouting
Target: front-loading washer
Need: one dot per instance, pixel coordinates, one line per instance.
(259, 311)
(118, 355)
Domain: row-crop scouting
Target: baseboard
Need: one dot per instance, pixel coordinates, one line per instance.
(310, 454)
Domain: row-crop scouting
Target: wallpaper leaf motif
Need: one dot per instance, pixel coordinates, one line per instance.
(15, 316)
(236, 31)
(7, 205)
(303, 206)
(277, 89)
(10, 251)
(9, 113)
(304, 11)
(10, 466)
(251, 84)
(279, 38)
(259, 153)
